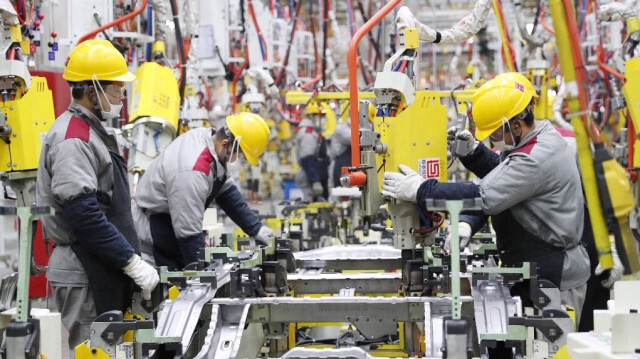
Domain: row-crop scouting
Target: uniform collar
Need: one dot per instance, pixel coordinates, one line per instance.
(94, 122)
(84, 112)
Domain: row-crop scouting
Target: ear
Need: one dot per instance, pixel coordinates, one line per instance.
(516, 124)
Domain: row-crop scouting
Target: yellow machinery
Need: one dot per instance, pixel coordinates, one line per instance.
(154, 111)
(26, 114)
(413, 138)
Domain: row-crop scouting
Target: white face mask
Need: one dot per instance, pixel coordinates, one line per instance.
(235, 147)
(501, 145)
(114, 110)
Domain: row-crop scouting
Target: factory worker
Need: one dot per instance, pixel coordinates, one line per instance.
(186, 178)
(532, 189)
(311, 153)
(83, 176)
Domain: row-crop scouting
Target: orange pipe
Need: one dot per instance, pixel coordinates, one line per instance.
(92, 34)
(544, 23)
(352, 60)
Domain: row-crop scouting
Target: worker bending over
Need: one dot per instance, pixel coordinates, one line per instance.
(83, 176)
(189, 174)
(531, 190)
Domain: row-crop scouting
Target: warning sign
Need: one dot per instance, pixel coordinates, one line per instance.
(429, 168)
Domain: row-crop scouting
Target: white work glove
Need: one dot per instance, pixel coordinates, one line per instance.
(460, 144)
(464, 232)
(403, 186)
(264, 234)
(144, 275)
(615, 272)
(316, 188)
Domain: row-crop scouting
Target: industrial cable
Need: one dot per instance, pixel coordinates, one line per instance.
(374, 43)
(181, 54)
(285, 61)
(131, 15)
(325, 17)
(580, 71)
(149, 30)
(263, 43)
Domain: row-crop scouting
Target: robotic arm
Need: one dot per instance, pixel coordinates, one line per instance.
(466, 28)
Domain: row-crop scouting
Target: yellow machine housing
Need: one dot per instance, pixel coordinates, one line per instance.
(30, 115)
(416, 138)
(155, 94)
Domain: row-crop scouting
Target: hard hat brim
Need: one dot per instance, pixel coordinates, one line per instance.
(482, 135)
(251, 159)
(128, 77)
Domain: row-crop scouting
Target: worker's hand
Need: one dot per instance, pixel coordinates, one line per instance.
(316, 188)
(464, 233)
(403, 186)
(615, 272)
(144, 275)
(405, 19)
(460, 143)
(263, 235)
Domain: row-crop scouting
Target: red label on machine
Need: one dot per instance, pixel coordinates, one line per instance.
(429, 168)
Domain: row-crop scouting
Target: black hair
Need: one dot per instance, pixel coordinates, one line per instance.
(526, 115)
(224, 134)
(78, 88)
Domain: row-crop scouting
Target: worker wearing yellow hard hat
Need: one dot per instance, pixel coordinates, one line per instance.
(532, 190)
(83, 176)
(191, 173)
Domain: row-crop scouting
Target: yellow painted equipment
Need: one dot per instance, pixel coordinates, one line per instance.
(155, 95)
(30, 116)
(415, 138)
(83, 351)
(585, 156)
(543, 108)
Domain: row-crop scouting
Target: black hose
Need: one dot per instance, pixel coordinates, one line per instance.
(180, 43)
(325, 16)
(285, 61)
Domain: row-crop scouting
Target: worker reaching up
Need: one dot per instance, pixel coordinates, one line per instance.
(83, 176)
(532, 189)
(186, 178)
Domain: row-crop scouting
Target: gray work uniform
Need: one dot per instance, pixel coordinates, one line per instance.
(179, 185)
(534, 196)
(78, 161)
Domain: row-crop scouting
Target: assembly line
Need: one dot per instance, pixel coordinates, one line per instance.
(320, 179)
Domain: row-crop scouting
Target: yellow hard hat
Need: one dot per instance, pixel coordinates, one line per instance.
(252, 132)
(97, 58)
(498, 99)
(312, 108)
(518, 77)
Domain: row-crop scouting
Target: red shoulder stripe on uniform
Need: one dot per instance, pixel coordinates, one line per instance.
(527, 147)
(77, 128)
(203, 163)
(565, 132)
